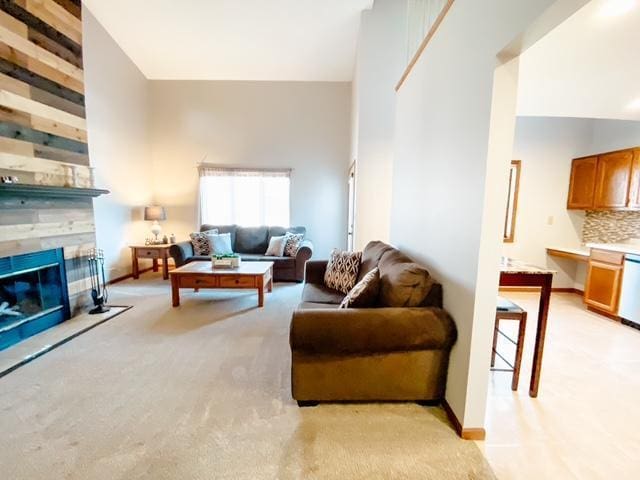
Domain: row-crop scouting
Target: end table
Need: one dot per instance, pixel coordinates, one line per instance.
(154, 252)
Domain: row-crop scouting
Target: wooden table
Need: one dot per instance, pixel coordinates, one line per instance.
(197, 275)
(518, 274)
(154, 252)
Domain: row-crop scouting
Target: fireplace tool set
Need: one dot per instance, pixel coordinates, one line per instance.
(98, 282)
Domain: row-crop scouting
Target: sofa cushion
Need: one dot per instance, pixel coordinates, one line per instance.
(371, 256)
(316, 293)
(252, 240)
(402, 282)
(279, 231)
(311, 305)
(370, 331)
(365, 293)
(342, 270)
(230, 229)
(279, 262)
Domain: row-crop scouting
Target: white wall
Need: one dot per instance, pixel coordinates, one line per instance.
(116, 101)
(447, 197)
(300, 125)
(546, 146)
(609, 135)
(381, 56)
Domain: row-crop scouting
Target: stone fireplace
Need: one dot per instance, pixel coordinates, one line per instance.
(46, 233)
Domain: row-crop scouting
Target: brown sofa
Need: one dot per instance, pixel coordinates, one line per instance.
(383, 353)
(251, 244)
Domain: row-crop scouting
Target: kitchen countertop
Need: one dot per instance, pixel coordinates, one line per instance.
(509, 265)
(585, 250)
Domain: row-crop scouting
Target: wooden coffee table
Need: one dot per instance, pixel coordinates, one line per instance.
(197, 275)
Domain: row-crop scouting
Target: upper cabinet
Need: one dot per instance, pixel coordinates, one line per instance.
(634, 191)
(583, 182)
(610, 181)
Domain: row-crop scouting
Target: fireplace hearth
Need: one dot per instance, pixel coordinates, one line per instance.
(33, 294)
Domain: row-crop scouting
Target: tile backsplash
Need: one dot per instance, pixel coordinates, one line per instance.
(610, 227)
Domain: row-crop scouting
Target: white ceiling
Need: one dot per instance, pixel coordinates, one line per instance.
(305, 40)
(587, 67)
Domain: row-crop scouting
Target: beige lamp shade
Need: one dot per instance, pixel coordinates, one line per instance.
(154, 213)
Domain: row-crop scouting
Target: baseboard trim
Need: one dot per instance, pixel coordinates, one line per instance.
(127, 276)
(610, 316)
(537, 289)
(464, 433)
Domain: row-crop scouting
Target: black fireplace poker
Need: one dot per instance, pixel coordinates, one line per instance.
(99, 292)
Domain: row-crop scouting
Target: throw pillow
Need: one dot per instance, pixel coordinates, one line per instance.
(403, 284)
(200, 242)
(365, 293)
(342, 270)
(293, 244)
(276, 246)
(220, 244)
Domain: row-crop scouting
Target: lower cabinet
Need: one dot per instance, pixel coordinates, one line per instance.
(604, 279)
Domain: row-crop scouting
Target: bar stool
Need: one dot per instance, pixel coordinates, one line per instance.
(507, 310)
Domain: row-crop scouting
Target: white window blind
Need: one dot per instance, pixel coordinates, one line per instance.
(244, 196)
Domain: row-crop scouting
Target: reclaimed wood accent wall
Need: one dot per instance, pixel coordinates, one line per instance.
(43, 133)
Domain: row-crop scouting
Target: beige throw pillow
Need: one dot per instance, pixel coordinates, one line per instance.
(276, 246)
(365, 293)
(201, 243)
(342, 270)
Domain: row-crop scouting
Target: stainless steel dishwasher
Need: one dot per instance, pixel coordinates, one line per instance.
(630, 296)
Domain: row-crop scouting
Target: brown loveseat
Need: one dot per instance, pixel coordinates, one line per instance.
(251, 244)
(371, 354)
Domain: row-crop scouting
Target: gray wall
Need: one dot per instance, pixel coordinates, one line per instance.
(300, 125)
(116, 100)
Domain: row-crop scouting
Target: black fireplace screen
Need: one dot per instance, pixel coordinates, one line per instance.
(33, 295)
(26, 294)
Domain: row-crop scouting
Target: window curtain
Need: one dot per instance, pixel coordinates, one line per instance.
(244, 196)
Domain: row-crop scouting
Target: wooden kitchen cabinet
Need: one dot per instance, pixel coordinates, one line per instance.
(634, 191)
(604, 278)
(608, 181)
(613, 180)
(582, 183)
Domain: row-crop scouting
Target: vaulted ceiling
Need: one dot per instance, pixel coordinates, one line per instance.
(306, 40)
(589, 66)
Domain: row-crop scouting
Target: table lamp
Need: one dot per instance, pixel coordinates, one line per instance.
(154, 214)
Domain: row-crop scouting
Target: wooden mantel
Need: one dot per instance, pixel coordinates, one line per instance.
(20, 189)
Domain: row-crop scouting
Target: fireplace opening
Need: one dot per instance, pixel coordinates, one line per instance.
(33, 294)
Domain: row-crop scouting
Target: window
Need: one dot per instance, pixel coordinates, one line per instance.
(512, 202)
(243, 196)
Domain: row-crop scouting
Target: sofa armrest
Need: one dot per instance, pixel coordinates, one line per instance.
(370, 330)
(304, 253)
(314, 271)
(181, 252)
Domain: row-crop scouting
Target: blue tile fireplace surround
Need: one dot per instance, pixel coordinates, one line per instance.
(33, 294)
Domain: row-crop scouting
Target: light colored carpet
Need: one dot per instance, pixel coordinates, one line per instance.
(202, 392)
(24, 351)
